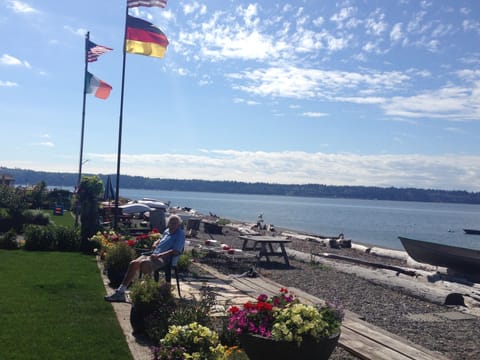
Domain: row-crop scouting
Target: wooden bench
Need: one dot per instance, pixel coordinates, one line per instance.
(358, 337)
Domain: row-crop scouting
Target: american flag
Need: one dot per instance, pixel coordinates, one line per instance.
(94, 51)
(147, 3)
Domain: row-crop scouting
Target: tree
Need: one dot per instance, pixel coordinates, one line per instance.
(89, 191)
(13, 200)
(38, 195)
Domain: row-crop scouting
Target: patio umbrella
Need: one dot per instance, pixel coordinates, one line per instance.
(109, 193)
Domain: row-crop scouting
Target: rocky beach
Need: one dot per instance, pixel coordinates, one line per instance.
(427, 306)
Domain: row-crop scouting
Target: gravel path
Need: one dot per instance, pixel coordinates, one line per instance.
(382, 306)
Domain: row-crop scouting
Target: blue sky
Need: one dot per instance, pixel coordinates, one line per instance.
(381, 93)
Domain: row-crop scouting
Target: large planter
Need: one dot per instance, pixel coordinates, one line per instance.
(138, 314)
(115, 277)
(260, 348)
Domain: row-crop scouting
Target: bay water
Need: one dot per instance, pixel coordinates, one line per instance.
(370, 222)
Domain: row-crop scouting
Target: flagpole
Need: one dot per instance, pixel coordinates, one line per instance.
(80, 163)
(120, 121)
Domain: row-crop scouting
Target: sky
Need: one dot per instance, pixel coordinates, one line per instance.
(370, 93)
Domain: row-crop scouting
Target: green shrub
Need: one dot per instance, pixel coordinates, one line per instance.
(40, 238)
(118, 257)
(35, 217)
(67, 238)
(8, 240)
(223, 222)
(179, 312)
(51, 237)
(184, 261)
(5, 220)
(152, 304)
(147, 291)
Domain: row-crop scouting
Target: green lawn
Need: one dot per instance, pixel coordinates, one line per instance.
(52, 307)
(67, 219)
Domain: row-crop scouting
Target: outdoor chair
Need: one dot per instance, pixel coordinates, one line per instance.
(171, 264)
(168, 275)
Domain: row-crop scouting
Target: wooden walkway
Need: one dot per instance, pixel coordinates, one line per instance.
(358, 337)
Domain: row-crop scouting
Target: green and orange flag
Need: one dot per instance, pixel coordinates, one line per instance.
(97, 87)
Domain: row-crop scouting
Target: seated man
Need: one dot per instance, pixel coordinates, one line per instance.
(171, 244)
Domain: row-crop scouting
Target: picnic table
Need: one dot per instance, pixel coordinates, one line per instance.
(264, 246)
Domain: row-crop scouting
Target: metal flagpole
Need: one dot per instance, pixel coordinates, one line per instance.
(120, 121)
(80, 163)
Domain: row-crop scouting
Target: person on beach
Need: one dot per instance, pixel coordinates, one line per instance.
(170, 245)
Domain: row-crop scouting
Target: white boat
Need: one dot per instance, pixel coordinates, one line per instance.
(135, 208)
(154, 203)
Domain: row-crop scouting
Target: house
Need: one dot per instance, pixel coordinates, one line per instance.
(6, 179)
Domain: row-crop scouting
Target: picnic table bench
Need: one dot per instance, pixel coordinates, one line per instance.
(264, 246)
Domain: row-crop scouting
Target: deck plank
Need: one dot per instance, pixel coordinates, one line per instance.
(360, 338)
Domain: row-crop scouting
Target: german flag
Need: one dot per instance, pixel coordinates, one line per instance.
(144, 38)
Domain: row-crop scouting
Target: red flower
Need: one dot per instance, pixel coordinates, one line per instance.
(233, 309)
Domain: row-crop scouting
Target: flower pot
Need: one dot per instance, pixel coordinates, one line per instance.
(137, 318)
(259, 348)
(115, 277)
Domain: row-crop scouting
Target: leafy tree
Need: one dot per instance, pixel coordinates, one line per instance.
(13, 200)
(59, 197)
(89, 191)
(38, 195)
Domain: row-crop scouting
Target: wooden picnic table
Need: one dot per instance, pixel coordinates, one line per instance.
(264, 246)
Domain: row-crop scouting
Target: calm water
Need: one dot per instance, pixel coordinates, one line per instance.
(364, 221)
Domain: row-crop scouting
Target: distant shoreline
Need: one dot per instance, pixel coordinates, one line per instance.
(69, 180)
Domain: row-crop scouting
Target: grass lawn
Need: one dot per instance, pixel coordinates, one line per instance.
(52, 307)
(67, 219)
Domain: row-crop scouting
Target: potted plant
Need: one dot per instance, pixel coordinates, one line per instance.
(150, 297)
(117, 259)
(282, 327)
(191, 341)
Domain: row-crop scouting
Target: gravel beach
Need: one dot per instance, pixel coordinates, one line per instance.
(434, 326)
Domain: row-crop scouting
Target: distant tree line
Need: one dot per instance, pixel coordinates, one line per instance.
(25, 177)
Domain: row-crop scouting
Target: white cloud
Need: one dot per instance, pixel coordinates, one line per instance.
(396, 33)
(375, 24)
(290, 167)
(78, 31)
(244, 101)
(361, 100)
(318, 21)
(194, 7)
(451, 103)
(21, 7)
(314, 114)
(343, 15)
(8, 84)
(296, 82)
(470, 25)
(9, 60)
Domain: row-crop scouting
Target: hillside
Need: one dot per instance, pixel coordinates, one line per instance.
(25, 177)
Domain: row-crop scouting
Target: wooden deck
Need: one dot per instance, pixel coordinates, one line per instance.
(358, 337)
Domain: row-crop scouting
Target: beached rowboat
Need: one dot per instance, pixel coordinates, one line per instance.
(453, 257)
(472, 231)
